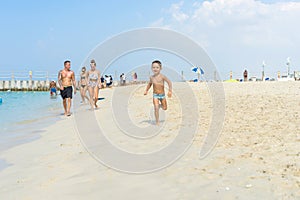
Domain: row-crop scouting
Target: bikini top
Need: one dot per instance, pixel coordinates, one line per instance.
(93, 76)
(82, 77)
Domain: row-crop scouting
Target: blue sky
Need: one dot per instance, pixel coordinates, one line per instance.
(237, 34)
(44, 33)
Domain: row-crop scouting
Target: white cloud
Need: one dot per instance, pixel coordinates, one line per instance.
(250, 28)
(176, 12)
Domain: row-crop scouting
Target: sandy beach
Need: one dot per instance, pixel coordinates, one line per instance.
(257, 155)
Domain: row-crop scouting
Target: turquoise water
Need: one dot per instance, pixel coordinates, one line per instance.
(23, 115)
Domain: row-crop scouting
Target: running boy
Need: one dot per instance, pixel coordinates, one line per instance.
(157, 80)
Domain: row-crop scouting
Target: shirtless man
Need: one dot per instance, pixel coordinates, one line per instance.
(66, 78)
(157, 80)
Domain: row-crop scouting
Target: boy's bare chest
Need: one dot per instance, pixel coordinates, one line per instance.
(157, 80)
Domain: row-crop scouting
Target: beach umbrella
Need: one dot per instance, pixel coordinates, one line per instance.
(198, 70)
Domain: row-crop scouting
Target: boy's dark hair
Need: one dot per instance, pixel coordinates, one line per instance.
(157, 62)
(67, 61)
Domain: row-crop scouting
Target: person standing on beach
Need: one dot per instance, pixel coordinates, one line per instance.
(245, 75)
(108, 80)
(157, 80)
(66, 78)
(124, 79)
(94, 82)
(121, 79)
(53, 88)
(134, 77)
(103, 83)
(83, 84)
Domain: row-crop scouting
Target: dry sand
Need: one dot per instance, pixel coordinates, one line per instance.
(257, 155)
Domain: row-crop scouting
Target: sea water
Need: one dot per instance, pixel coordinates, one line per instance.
(24, 114)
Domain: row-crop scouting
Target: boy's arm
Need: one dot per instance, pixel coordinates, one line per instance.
(148, 87)
(170, 86)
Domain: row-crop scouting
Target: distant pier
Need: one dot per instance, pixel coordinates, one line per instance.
(24, 85)
(37, 81)
(26, 81)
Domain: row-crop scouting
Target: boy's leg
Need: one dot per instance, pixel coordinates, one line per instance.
(156, 110)
(164, 104)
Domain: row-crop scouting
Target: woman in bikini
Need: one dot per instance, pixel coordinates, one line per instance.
(83, 84)
(93, 84)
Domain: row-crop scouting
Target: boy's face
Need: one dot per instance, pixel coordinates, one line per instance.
(156, 68)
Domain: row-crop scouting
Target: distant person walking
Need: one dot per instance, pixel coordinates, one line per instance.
(121, 79)
(83, 84)
(94, 82)
(245, 75)
(134, 77)
(66, 78)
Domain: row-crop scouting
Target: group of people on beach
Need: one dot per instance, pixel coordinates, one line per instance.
(89, 81)
(92, 81)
